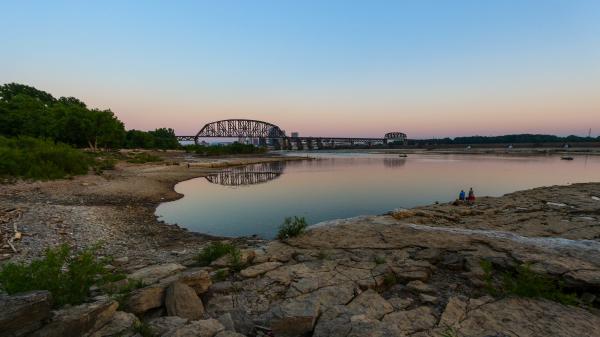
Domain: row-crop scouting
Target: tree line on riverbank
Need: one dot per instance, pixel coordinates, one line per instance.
(27, 111)
(525, 138)
(41, 136)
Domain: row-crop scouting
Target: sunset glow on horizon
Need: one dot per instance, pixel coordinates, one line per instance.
(321, 68)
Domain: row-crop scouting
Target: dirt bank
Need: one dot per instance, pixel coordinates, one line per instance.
(116, 208)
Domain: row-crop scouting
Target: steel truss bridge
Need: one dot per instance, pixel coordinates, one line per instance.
(248, 175)
(273, 135)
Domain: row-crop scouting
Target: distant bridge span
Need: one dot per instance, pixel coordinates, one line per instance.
(249, 128)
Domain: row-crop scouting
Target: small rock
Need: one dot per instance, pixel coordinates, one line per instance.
(294, 317)
(25, 312)
(411, 321)
(370, 304)
(200, 328)
(428, 299)
(227, 321)
(420, 286)
(199, 280)
(260, 269)
(181, 300)
(229, 334)
(400, 303)
(162, 325)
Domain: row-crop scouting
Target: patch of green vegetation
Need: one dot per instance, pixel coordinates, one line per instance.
(523, 282)
(379, 259)
(292, 227)
(219, 150)
(32, 158)
(66, 275)
(144, 330)
(235, 259)
(143, 157)
(450, 332)
(214, 251)
(390, 279)
(220, 275)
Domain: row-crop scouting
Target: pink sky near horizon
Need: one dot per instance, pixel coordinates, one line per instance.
(561, 108)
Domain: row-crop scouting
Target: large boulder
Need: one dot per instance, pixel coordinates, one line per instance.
(122, 324)
(78, 320)
(294, 317)
(197, 279)
(144, 299)
(152, 274)
(181, 300)
(22, 313)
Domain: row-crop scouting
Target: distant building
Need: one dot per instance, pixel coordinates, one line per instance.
(295, 135)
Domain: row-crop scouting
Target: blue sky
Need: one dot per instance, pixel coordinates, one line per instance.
(429, 68)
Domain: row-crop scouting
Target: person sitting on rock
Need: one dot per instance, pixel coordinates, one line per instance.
(471, 197)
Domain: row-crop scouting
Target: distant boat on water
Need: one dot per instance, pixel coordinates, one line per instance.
(402, 155)
(566, 158)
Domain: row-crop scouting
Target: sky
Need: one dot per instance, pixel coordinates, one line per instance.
(321, 68)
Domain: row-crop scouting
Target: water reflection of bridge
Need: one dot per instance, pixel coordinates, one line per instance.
(394, 162)
(248, 175)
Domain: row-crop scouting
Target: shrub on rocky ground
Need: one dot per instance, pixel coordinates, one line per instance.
(67, 276)
(523, 282)
(32, 158)
(292, 227)
(214, 251)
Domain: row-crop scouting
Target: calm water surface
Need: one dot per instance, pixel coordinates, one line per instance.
(255, 199)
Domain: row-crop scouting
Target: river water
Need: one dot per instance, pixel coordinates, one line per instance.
(255, 199)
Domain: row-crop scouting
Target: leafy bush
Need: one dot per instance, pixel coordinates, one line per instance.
(292, 227)
(214, 251)
(143, 329)
(390, 279)
(143, 157)
(32, 158)
(523, 282)
(68, 277)
(220, 275)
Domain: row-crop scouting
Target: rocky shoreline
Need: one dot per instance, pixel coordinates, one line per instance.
(426, 271)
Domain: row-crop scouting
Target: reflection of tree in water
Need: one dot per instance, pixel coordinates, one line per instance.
(248, 175)
(394, 162)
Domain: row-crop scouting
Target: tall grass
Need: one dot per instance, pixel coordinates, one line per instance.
(32, 158)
